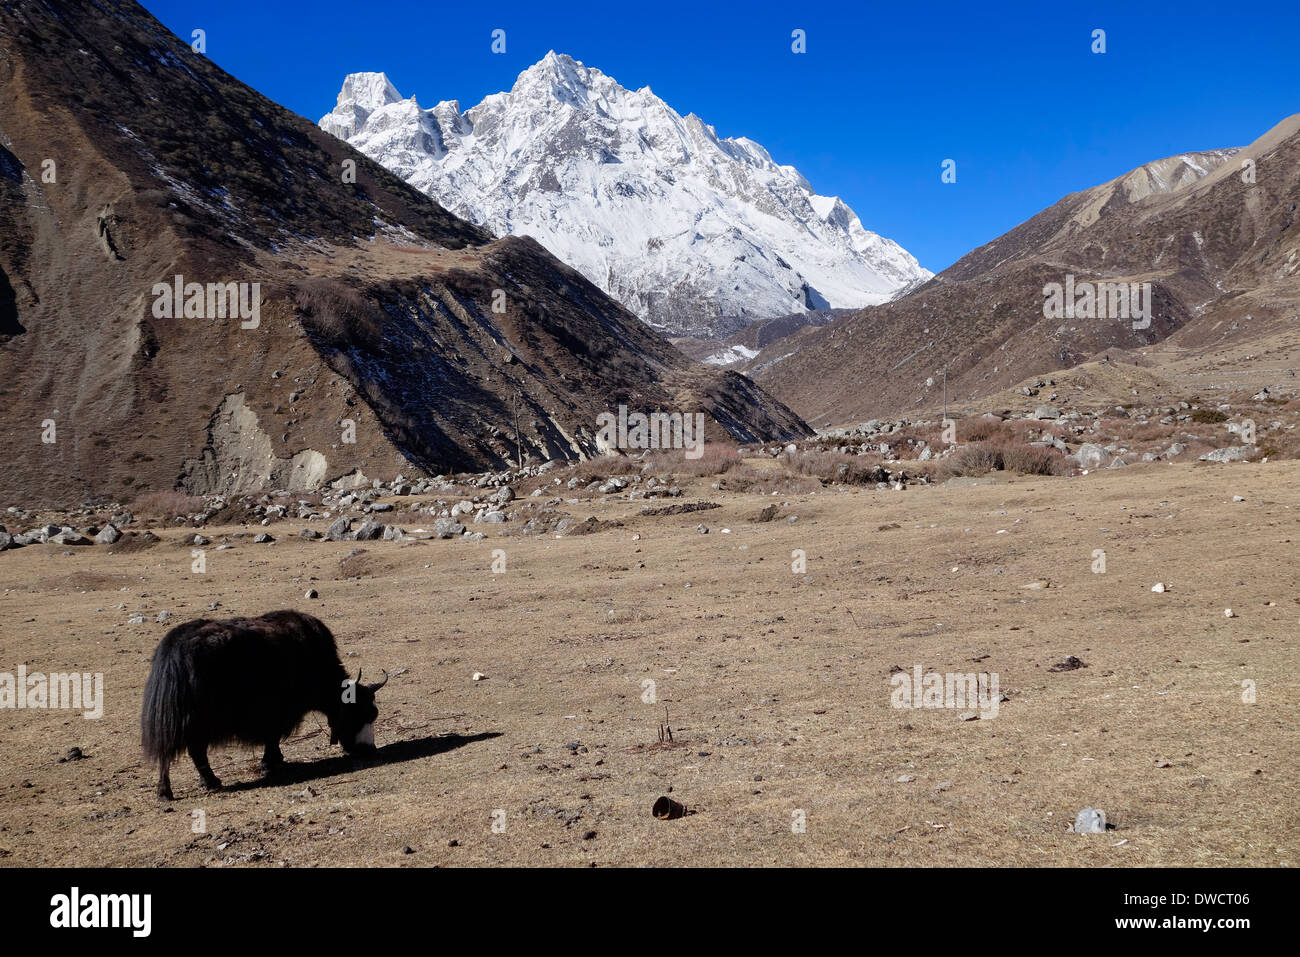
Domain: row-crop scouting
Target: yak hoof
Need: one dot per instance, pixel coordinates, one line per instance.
(213, 785)
(164, 794)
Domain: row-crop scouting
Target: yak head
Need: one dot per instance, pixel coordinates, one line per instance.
(353, 724)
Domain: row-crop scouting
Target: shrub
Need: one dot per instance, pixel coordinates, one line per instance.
(1033, 460)
(166, 504)
(765, 481)
(978, 459)
(835, 467)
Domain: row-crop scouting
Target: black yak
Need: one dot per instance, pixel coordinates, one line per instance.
(249, 680)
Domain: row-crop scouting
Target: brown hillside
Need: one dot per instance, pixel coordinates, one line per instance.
(1221, 255)
(376, 305)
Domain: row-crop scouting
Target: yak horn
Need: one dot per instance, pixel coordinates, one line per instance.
(376, 687)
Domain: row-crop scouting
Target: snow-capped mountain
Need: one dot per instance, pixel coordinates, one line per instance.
(696, 234)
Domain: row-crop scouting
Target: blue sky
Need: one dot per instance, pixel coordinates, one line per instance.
(884, 94)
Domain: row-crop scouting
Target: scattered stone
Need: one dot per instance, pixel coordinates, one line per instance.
(1090, 821)
(311, 593)
(69, 538)
(1071, 663)
(1090, 455)
(1229, 613)
(447, 528)
(1159, 588)
(337, 532)
(263, 538)
(1233, 453)
(109, 534)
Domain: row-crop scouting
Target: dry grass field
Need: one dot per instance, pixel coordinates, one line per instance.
(776, 684)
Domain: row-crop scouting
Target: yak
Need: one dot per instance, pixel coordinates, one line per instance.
(249, 680)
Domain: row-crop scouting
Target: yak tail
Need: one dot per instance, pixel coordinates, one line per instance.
(167, 705)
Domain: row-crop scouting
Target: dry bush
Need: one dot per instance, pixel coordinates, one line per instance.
(1019, 457)
(717, 459)
(1033, 460)
(746, 478)
(1152, 432)
(337, 315)
(607, 466)
(978, 459)
(981, 430)
(835, 467)
(166, 504)
(1208, 416)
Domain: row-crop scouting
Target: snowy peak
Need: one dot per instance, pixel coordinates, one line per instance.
(362, 94)
(695, 233)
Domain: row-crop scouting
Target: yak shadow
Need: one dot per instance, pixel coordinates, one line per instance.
(395, 753)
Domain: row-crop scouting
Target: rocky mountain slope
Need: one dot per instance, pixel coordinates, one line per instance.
(389, 335)
(696, 234)
(1214, 234)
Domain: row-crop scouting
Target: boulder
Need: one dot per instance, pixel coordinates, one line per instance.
(69, 538)
(1091, 456)
(1233, 453)
(1090, 821)
(109, 534)
(447, 528)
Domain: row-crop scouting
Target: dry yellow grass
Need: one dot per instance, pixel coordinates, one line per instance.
(776, 684)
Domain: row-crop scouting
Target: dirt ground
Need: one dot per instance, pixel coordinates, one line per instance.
(785, 748)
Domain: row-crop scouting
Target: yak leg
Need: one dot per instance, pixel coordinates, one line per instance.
(199, 752)
(164, 779)
(272, 759)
